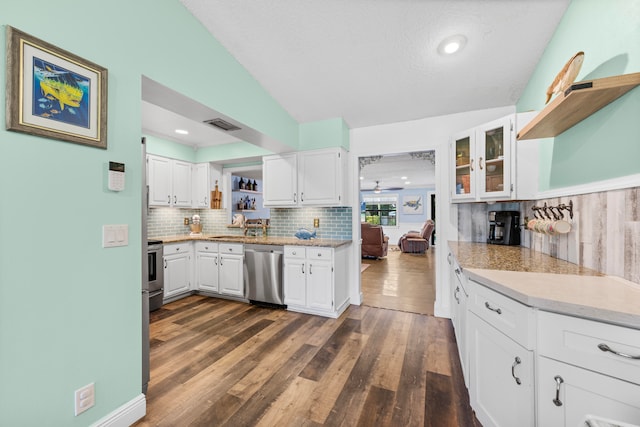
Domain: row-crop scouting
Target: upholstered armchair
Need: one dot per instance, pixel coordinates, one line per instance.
(374, 243)
(417, 241)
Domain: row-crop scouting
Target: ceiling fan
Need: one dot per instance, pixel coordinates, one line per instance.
(378, 189)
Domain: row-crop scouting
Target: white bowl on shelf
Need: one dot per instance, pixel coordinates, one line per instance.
(491, 168)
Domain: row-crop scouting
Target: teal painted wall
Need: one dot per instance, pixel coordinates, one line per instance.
(607, 144)
(324, 134)
(69, 309)
(173, 150)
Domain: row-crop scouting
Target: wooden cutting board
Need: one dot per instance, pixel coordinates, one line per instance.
(216, 198)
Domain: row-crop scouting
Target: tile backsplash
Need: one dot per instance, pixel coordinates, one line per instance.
(605, 234)
(335, 223)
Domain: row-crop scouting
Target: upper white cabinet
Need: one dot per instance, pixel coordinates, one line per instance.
(169, 182)
(485, 162)
(482, 162)
(310, 178)
(201, 188)
(280, 180)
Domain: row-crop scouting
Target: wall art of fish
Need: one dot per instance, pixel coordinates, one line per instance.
(413, 204)
(60, 85)
(304, 234)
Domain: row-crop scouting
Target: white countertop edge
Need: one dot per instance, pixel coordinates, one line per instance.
(591, 311)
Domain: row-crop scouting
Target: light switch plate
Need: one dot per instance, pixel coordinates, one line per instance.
(115, 235)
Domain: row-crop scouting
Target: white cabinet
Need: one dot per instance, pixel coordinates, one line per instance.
(177, 269)
(315, 280)
(482, 160)
(587, 369)
(280, 180)
(309, 178)
(231, 269)
(207, 266)
(459, 297)
(201, 175)
(501, 362)
(568, 396)
(169, 182)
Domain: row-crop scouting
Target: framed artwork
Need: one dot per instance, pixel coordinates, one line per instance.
(54, 93)
(412, 205)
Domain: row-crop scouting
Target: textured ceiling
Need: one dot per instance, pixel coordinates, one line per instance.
(376, 61)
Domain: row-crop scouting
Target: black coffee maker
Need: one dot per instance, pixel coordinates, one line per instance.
(504, 228)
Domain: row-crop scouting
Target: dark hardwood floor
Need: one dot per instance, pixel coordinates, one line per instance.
(216, 362)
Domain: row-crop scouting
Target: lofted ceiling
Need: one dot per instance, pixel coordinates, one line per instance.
(370, 62)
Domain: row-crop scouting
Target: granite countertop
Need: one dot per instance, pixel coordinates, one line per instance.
(550, 284)
(269, 240)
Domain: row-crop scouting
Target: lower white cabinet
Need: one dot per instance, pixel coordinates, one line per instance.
(207, 266)
(587, 369)
(315, 280)
(231, 269)
(177, 269)
(569, 396)
(501, 377)
(459, 297)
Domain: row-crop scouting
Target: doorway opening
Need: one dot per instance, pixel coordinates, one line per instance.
(397, 194)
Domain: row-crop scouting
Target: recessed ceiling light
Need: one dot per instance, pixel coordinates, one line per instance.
(403, 177)
(362, 177)
(452, 44)
(407, 182)
(182, 131)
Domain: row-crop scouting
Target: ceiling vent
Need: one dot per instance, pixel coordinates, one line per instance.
(222, 124)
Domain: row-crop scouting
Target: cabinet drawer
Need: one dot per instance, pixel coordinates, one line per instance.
(576, 341)
(176, 248)
(295, 252)
(207, 247)
(231, 248)
(314, 254)
(512, 318)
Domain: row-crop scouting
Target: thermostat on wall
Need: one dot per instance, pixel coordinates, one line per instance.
(116, 176)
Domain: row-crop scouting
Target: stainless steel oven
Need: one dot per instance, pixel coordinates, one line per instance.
(156, 274)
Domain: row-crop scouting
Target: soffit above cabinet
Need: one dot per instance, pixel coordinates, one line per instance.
(581, 100)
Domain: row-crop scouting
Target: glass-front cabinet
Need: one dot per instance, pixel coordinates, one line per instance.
(483, 161)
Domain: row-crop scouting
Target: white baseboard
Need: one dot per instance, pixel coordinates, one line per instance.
(125, 415)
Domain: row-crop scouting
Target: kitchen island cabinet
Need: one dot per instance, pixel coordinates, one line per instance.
(542, 337)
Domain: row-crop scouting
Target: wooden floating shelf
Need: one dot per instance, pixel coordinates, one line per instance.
(579, 101)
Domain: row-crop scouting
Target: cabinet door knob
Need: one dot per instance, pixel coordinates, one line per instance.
(169, 199)
(497, 310)
(516, 362)
(302, 268)
(606, 348)
(558, 379)
(310, 266)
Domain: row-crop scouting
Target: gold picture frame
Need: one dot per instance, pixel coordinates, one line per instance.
(53, 93)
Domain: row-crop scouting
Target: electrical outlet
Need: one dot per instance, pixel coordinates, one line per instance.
(85, 398)
(316, 222)
(186, 221)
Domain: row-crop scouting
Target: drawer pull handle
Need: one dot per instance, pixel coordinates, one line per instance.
(455, 294)
(310, 267)
(559, 381)
(497, 310)
(606, 348)
(449, 258)
(516, 362)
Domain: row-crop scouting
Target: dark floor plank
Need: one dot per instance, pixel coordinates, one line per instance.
(439, 411)
(378, 408)
(328, 352)
(408, 410)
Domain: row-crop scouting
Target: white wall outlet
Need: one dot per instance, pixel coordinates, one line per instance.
(85, 398)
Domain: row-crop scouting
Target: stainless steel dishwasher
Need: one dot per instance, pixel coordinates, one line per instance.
(263, 274)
